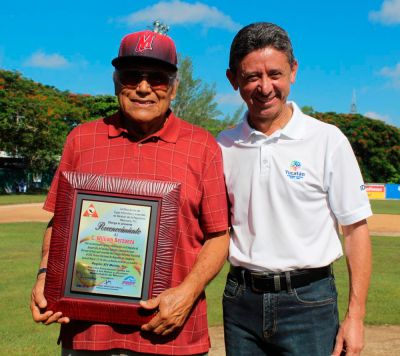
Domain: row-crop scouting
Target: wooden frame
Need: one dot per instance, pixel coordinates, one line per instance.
(112, 245)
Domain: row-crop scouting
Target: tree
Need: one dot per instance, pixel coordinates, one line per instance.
(375, 144)
(100, 105)
(308, 110)
(35, 119)
(194, 101)
(233, 120)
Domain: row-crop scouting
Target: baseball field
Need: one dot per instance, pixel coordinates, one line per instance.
(21, 228)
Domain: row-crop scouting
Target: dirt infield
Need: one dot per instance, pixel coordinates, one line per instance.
(380, 340)
(381, 224)
(23, 212)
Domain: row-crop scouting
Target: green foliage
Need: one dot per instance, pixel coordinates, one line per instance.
(308, 110)
(230, 121)
(194, 101)
(375, 144)
(35, 118)
(100, 105)
(26, 128)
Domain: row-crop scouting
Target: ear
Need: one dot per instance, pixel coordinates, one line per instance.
(293, 73)
(174, 88)
(117, 85)
(232, 79)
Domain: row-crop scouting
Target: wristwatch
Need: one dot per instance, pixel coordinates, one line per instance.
(41, 270)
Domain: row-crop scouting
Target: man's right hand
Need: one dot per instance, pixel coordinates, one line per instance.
(39, 302)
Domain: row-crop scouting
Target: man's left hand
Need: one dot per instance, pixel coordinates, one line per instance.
(350, 338)
(173, 306)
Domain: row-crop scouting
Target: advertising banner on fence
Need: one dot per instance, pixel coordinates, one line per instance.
(375, 191)
(392, 191)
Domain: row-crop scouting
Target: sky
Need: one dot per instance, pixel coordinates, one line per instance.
(346, 50)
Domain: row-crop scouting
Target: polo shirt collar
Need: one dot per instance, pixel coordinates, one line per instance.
(294, 129)
(168, 133)
(246, 130)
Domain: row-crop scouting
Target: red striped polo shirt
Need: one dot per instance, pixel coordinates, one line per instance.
(178, 152)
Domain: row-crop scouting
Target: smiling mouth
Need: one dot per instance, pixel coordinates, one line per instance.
(143, 102)
(263, 100)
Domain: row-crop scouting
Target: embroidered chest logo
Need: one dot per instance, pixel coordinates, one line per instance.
(294, 172)
(145, 43)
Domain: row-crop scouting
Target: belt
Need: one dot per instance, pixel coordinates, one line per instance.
(265, 282)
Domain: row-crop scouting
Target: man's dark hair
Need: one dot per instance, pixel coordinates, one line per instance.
(257, 36)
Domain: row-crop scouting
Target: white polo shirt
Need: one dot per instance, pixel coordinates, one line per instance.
(288, 191)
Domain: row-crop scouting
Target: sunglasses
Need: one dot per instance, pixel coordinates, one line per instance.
(156, 80)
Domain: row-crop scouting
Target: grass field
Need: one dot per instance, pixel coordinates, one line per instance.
(385, 206)
(19, 259)
(21, 198)
(378, 206)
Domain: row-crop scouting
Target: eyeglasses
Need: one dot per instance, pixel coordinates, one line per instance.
(156, 80)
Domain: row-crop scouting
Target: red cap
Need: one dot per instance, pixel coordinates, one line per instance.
(145, 45)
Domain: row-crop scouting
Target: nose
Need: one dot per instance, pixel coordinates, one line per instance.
(265, 85)
(143, 86)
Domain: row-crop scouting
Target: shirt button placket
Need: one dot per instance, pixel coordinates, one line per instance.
(136, 156)
(264, 162)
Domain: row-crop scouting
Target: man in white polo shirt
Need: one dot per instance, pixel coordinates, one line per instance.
(291, 179)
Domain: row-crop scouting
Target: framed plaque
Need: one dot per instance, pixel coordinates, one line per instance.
(112, 245)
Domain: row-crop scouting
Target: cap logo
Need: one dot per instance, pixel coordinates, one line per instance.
(145, 43)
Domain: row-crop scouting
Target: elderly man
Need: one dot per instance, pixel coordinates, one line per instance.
(145, 140)
(290, 180)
